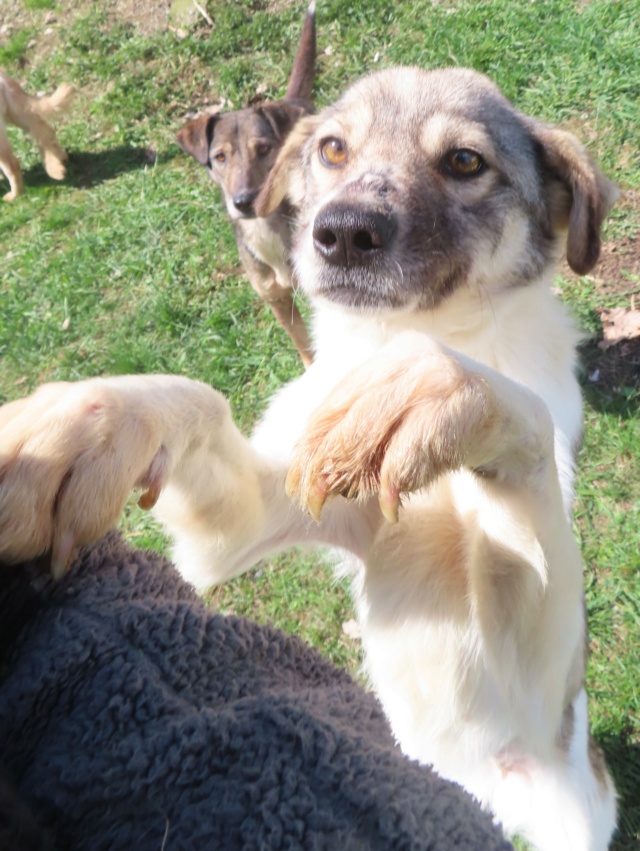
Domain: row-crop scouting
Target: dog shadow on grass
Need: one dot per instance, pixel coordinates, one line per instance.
(86, 169)
(610, 377)
(623, 759)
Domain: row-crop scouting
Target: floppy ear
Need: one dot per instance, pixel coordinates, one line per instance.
(286, 178)
(283, 115)
(195, 137)
(583, 198)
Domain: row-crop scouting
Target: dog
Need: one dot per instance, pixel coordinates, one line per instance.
(435, 435)
(32, 115)
(238, 149)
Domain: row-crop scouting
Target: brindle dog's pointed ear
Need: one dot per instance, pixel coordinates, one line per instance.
(283, 115)
(581, 200)
(195, 137)
(286, 177)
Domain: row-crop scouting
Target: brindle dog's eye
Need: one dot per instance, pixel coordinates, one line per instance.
(464, 163)
(333, 152)
(263, 150)
(220, 158)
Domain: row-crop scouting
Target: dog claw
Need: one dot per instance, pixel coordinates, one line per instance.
(153, 480)
(316, 498)
(389, 501)
(292, 484)
(150, 496)
(62, 554)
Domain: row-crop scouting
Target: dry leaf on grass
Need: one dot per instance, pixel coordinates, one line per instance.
(619, 324)
(351, 629)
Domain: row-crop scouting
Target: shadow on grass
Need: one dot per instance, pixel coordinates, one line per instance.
(90, 168)
(611, 377)
(623, 759)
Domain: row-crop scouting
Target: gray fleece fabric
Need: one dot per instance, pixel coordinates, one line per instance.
(133, 718)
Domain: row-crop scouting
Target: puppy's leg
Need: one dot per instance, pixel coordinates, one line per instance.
(52, 155)
(411, 415)
(71, 453)
(10, 166)
(281, 301)
(284, 308)
(563, 803)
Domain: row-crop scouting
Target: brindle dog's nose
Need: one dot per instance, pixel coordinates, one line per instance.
(347, 235)
(243, 201)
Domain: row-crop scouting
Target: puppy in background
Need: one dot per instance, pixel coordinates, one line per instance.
(32, 115)
(239, 149)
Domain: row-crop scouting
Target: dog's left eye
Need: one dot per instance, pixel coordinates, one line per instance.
(333, 152)
(464, 163)
(263, 150)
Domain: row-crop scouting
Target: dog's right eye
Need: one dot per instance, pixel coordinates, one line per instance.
(333, 152)
(464, 163)
(220, 158)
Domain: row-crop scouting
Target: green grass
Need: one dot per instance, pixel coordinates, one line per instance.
(39, 4)
(130, 263)
(15, 49)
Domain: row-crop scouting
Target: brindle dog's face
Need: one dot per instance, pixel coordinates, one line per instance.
(240, 148)
(415, 184)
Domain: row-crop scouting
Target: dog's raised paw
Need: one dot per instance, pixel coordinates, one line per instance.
(390, 428)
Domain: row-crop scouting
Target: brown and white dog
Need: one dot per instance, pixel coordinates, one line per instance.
(32, 115)
(434, 434)
(238, 149)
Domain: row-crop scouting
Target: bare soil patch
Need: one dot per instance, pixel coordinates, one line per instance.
(616, 278)
(148, 16)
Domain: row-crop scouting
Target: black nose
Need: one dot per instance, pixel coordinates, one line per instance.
(243, 201)
(347, 235)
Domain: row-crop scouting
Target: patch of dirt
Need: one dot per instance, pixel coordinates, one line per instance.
(276, 6)
(616, 277)
(148, 16)
(44, 24)
(618, 269)
(618, 266)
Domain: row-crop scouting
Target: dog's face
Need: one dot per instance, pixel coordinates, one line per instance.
(415, 184)
(239, 148)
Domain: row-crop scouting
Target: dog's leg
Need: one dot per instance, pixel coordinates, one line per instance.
(563, 803)
(280, 299)
(412, 413)
(398, 425)
(285, 310)
(70, 455)
(52, 155)
(10, 166)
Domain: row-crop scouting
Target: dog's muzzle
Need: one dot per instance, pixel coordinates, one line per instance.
(349, 235)
(243, 202)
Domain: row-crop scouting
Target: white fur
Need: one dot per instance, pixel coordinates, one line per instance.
(453, 700)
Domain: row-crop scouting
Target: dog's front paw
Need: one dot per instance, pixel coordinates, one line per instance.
(70, 455)
(391, 427)
(54, 165)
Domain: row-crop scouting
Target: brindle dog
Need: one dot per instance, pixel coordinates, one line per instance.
(239, 149)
